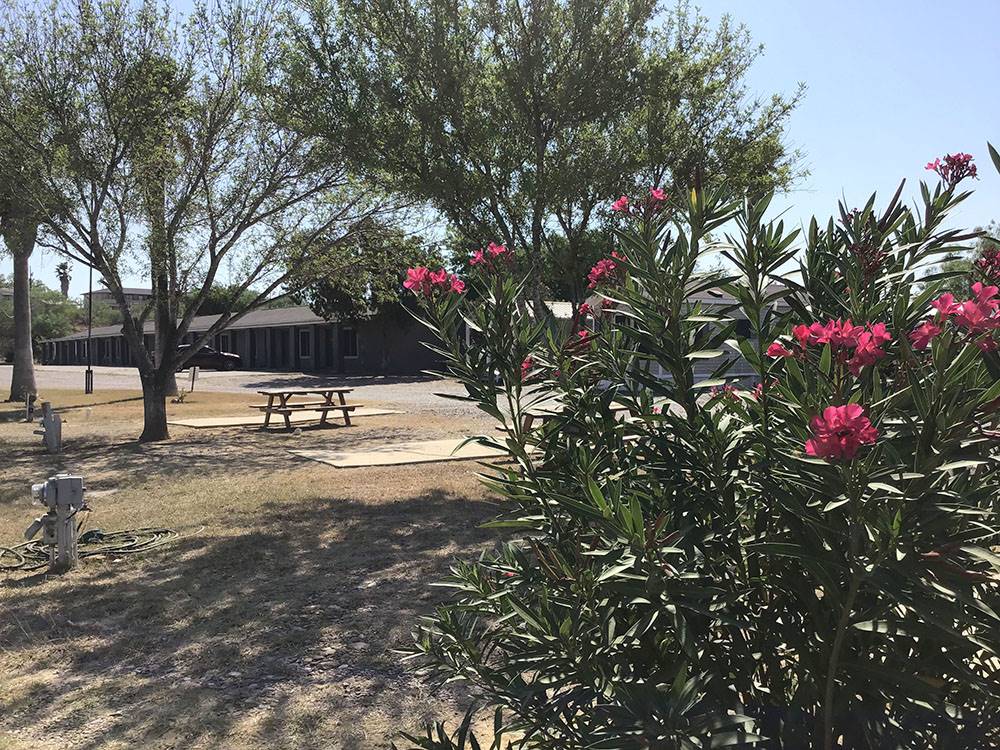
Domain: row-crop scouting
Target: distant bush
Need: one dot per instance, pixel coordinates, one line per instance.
(807, 565)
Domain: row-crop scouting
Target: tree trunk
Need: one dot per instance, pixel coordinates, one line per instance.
(162, 355)
(21, 243)
(154, 406)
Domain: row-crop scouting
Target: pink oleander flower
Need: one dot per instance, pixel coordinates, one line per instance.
(801, 333)
(422, 280)
(418, 280)
(880, 334)
(985, 295)
(987, 343)
(975, 317)
(857, 345)
(989, 264)
(866, 352)
(583, 333)
(840, 432)
(953, 168)
(491, 257)
(921, 335)
(620, 205)
(526, 366)
(760, 390)
(604, 271)
(727, 391)
(657, 194)
(945, 304)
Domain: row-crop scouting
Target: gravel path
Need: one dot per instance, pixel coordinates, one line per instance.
(411, 393)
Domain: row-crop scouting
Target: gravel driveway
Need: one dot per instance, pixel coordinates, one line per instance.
(410, 392)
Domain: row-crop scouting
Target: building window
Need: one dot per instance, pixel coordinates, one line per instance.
(349, 342)
(305, 343)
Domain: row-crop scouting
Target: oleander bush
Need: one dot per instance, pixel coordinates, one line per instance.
(807, 564)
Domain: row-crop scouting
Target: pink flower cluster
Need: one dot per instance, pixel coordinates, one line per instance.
(727, 391)
(856, 345)
(978, 316)
(605, 271)
(989, 264)
(953, 168)
(492, 256)
(422, 280)
(654, 202)
(839, 432)
(526, 366)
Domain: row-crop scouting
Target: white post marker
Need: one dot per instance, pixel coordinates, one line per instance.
(51, 431)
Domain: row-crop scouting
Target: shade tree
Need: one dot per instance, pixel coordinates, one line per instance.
(166, 152)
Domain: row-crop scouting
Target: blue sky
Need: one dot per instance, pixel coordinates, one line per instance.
(891, 85)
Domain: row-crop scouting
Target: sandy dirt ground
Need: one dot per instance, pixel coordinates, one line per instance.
(274, 620)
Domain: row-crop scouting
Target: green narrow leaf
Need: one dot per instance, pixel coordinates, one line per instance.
(825, 360)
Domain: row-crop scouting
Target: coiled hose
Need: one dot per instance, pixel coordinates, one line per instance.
(34, 555)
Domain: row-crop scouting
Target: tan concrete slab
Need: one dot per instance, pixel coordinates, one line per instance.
(257, 420)
(396, 454)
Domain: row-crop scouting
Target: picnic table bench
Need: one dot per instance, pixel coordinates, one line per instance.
(323, 407)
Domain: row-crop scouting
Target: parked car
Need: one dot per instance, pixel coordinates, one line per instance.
(209, 358)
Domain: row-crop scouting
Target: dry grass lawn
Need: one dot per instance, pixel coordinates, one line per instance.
(271, 623)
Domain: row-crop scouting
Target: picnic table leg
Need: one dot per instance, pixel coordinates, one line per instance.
(267, 412)
(347, 414)
(285, 413)
(327, 401)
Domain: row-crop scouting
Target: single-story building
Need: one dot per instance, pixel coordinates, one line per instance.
(133, 295)
(287, 338)
(296, 339)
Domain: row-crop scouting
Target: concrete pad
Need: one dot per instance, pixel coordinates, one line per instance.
(396, 454)
(257, 420)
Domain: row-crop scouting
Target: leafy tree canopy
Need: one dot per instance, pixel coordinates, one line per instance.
(516, 120)
(360, 276)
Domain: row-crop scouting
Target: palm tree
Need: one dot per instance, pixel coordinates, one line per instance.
(63, 272)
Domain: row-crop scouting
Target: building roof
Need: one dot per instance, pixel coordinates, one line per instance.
(135, 290)
(282, 316)
(6, 292)
(279, 316)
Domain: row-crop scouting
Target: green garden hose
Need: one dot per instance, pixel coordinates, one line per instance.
(34, 555)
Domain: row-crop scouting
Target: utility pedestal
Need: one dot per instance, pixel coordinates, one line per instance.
(63, 496)
(51, 431)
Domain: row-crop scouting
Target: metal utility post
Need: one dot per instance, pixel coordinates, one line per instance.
(88, 377)
(51, 431)
(63, 496)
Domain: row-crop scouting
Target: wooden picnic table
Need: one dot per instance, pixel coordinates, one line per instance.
(285, 406)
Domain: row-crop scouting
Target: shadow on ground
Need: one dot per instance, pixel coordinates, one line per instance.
(278, 634)
(113, 463)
